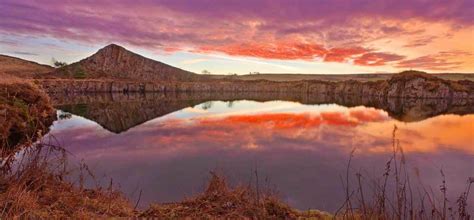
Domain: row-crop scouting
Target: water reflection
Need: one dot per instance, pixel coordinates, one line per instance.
(301, 149)
(119, 112)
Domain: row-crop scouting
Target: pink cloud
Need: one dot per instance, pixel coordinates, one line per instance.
(279, 29)
(440, 61)
(377, 59)
(276, 50)
(342, 54)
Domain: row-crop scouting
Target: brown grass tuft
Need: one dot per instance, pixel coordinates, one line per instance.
(220, 201)
(25, 114)
(36, 188)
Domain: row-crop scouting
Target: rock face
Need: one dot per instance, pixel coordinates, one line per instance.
(116, 62)
(403, 85)
(413, 84)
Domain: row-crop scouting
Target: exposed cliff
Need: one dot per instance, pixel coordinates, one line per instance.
(403, 85)
(115, 62)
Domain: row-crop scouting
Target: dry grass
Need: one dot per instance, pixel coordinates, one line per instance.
(17, 67)
(25, 113)
(220, 201)
(35, 187)
(10, 79)
(396, 196)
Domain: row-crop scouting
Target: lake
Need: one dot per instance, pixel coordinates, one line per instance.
(166, 145)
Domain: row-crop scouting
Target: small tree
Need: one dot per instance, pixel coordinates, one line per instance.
(206, 72)
(58, 64)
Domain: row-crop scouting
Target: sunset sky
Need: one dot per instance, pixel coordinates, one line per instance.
(240, 36)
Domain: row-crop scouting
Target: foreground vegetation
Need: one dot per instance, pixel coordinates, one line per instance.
(396, 195)
(36, 187)
(25, 113)
(39, 183)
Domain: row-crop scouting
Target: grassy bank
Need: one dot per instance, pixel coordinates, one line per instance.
(25, 113)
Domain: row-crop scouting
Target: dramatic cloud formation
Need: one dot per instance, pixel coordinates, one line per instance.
(377, 59)
(440, 61)
(354, 32)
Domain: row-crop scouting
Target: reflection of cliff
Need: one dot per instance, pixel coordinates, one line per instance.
(118, 112)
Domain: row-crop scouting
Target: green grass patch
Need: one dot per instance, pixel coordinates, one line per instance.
(79, 73)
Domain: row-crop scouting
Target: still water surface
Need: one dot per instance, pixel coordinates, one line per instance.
(301, 150)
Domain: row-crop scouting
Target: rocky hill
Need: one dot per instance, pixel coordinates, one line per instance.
(116, 62)
(20, 68)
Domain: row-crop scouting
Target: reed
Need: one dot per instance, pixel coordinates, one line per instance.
(395, 196)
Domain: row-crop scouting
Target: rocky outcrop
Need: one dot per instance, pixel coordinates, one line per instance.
(413, 84)
(403, 85)
(116, 62)
(118, 112)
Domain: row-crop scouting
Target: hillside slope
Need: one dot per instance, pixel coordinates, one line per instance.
(116, 62)
(20, 68)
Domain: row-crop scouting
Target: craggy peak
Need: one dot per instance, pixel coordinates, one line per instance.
(114, 61)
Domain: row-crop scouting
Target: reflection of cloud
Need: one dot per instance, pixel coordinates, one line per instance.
(195, 110)
(353, 127)
(301, 120)
(445, 132)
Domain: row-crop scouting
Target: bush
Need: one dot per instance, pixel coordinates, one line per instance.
(79, 73)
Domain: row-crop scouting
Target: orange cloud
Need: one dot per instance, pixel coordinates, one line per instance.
(377, 59)
(342, 54)
(276, 50)
(445, 60)
(292, 50)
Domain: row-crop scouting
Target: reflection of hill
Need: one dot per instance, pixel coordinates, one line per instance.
(118, 112)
